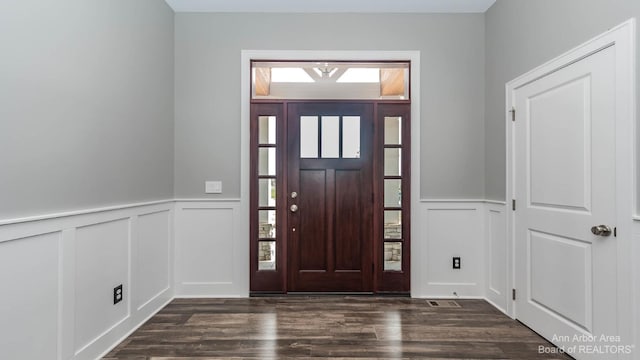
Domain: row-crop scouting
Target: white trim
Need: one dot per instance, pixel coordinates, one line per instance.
(623, 38)
(221, 296)
(80, 212)
(449, 297)
(504, 311)
(10, 221)
(207, 200)
(245, 66)
(482, 201)
(103, 334)
(495, 202)
(435, 283)
(134, 328)
(332, 6)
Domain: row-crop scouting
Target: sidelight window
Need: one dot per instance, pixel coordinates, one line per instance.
(267, 181)
(392, 190)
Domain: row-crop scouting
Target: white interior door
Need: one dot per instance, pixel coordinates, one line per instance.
(564, 151)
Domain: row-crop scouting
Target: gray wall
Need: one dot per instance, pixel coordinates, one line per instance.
(522, 34)
(86, 104)
(207, 127)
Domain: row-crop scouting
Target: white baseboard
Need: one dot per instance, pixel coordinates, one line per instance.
(134, 328)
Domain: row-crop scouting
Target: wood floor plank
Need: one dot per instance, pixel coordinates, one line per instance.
(336, 327)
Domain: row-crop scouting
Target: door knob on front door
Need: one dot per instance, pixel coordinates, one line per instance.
(294, 208)
(601, 230)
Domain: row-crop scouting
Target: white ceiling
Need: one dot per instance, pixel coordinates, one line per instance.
(331, 6)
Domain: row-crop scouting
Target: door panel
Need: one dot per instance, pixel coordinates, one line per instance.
(561, 289)
(562, 116)
(312, 227)
(330, 231)
(565, 178)
(348, 242)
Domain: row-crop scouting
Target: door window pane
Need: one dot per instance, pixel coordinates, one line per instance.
(308, 136)
(351, 136)
(330, 136)
(266, 161)
(392, 193)
(266, 129)
(267, 192)
(266, 224)
(393, 224)
(392, 256)
(267, 255)
(392, 130)
(392, 162)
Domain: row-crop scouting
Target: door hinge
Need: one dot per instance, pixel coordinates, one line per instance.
(513, 294)
(513, 113)
(513, 204)
(615, 232)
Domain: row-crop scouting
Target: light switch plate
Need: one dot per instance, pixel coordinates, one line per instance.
(213, 187)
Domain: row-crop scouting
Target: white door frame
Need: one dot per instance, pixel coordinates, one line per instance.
(245, 78)
(623, 38)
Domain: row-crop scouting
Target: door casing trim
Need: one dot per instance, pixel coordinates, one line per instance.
(623, 38)
(245, 77)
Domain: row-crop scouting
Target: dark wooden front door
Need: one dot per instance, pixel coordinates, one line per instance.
(329, 197)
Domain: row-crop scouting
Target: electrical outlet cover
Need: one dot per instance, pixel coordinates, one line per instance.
(118, 294)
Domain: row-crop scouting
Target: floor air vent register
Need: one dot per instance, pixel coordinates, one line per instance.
(443, 303)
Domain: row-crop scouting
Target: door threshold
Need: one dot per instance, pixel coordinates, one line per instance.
(330, 293)
(313, 293)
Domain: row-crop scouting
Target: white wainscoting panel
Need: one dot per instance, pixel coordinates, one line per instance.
(497, 275)
(636, 280)
(102, 262)
(448, 229)
(62, 269)
(211, 259)
(29, 311)
(152, 257)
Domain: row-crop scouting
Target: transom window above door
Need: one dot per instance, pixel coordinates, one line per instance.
(330, 80)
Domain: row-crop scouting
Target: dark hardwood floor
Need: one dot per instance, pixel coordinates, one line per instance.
(338, 327)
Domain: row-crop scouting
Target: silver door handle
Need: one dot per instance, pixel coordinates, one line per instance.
(601, 230)
(294, 208)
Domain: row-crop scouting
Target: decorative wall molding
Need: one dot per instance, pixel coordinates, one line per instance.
(448, 229)
(496, 255)
(212, 258)
(80, 212)
(203, 253)
(208, 200)
(484, 201)
(72, 262)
